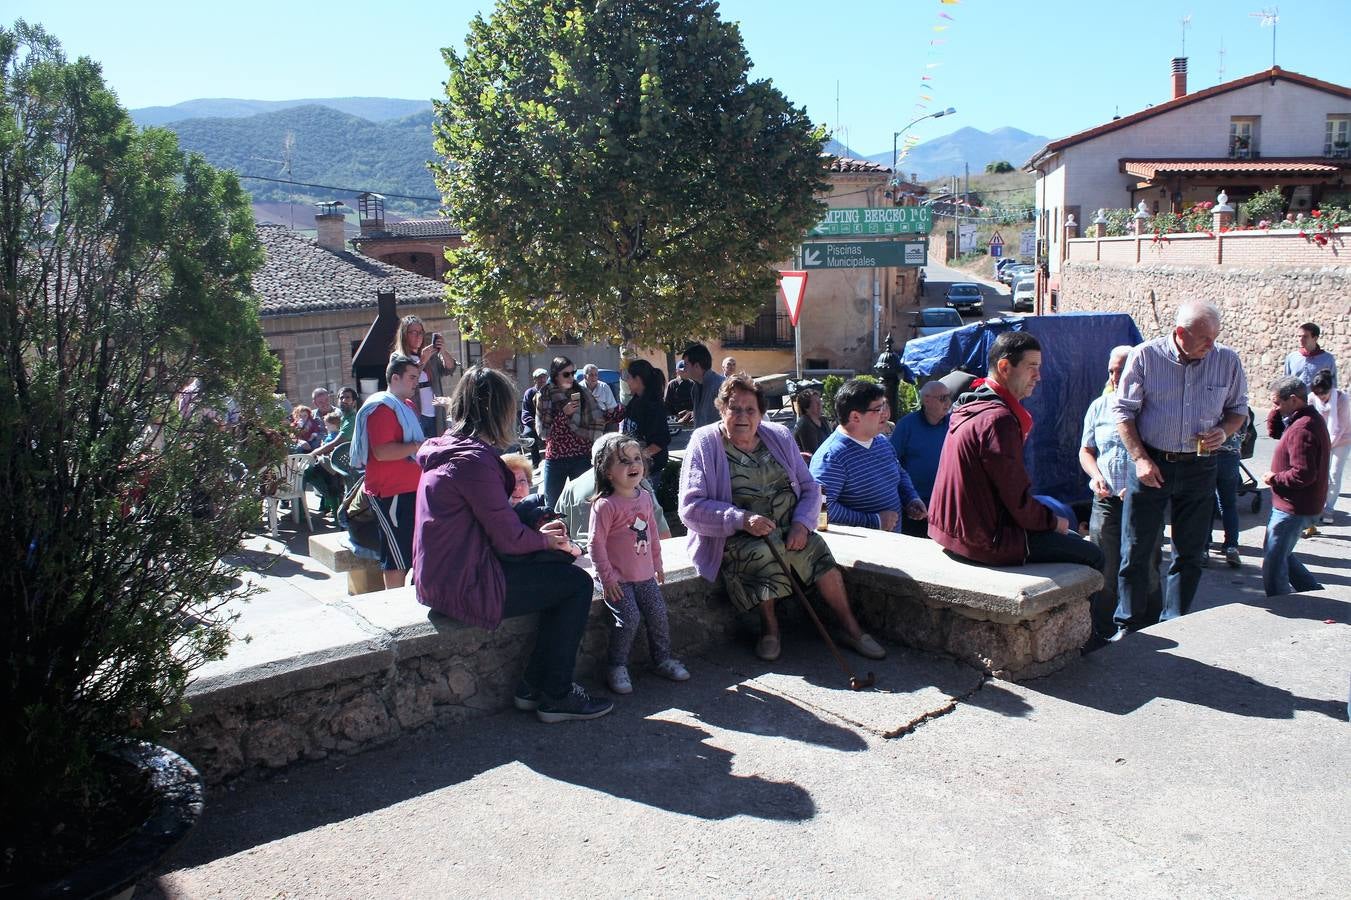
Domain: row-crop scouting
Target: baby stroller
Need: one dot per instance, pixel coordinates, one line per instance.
(1248, 482)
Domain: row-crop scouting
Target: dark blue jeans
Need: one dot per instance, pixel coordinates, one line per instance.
(1104, 529)
(1189, 485)
(1282, 573)
(561, 593)
(1054, 547)
(556, 475)
(1226, 495)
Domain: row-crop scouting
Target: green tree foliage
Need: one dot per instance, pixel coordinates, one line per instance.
(617, 174)
(999, 168)
(125, 270)
(1264, 206)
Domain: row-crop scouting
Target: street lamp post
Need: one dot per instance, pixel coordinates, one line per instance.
(896, 135)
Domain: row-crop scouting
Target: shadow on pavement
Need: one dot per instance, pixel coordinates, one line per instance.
(1123, 677)
(650, 750)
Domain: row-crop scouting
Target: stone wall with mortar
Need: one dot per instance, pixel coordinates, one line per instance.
(1263, 306)
(361, 671)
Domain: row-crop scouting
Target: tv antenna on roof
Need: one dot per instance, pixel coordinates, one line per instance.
(1221, 58)
(1185, 22)
(1269, 19)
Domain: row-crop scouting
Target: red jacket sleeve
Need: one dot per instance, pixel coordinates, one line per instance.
(1004, 464)
(1302, 450)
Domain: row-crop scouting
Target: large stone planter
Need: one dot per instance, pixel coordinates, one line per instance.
(178, 789)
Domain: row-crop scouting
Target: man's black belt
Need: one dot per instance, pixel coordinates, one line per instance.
(1173, 456)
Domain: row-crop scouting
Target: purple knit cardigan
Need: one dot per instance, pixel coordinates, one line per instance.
(706, 492)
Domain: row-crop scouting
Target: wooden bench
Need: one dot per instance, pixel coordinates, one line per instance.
(334, 552)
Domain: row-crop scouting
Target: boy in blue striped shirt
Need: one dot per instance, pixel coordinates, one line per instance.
(857, 468)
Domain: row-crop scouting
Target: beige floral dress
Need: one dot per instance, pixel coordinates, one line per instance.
(749, 571)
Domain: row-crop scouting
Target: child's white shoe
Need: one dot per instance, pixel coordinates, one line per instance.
(672, 669)
(619, 680)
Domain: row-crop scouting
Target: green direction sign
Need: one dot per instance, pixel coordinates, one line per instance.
(863, 254)
(864, 220)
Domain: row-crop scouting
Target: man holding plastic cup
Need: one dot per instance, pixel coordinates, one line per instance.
(1180, 397)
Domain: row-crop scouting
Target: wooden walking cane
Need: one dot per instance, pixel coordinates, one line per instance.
(855, 683)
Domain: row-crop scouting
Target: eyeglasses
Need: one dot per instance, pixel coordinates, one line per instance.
(743, 411)
(877, 409)
(568, 373)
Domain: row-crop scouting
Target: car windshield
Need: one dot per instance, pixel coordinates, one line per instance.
(964, 289)
(940, 317)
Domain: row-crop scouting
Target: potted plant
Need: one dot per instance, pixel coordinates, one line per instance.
(125, 273)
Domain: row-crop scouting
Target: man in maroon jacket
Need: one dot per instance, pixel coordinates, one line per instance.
(983, 510)
(1299, 486)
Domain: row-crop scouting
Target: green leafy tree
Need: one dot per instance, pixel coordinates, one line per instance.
(125, 271)
(999, 168)
(617, 174)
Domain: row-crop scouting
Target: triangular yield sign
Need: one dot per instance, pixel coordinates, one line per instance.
(793, 285)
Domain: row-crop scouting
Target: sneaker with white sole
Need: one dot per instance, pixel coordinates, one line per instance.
(575, 705)
(619, 681)
(1232, 557)
(1325, 520)
(673, 669)
(526, 698)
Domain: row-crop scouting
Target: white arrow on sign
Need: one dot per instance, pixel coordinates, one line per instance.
(793, 285)
(811, 258)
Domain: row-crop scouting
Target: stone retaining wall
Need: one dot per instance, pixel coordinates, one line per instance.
(1262, 307)
(360, 671)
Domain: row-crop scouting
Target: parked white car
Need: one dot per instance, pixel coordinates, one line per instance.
(1024, 294)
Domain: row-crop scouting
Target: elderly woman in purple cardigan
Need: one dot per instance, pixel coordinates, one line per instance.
(744, 483)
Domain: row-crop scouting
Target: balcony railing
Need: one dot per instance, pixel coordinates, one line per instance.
(766, 330)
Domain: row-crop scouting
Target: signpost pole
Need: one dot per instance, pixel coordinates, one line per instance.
(797, 330)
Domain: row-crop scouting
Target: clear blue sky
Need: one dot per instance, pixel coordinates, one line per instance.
(1049, 68)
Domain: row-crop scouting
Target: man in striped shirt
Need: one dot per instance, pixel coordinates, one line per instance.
(1180, 397)
(857, 468)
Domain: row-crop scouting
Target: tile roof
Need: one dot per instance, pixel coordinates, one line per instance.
(1152, 168)
(301, 277)
(849, 164)
(1273, 73)
(414, 228)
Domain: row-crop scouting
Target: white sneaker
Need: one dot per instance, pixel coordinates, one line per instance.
(618, 680)
(1325, 520)
(673, 669)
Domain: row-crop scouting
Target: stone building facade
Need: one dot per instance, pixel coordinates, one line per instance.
(1267, 286)
(318, 302)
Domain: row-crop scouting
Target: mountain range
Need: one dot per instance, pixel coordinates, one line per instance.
(341, 146)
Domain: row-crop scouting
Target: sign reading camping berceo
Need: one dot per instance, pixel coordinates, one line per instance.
(867, 220)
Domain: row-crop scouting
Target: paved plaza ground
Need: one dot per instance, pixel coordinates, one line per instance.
(1207, 756)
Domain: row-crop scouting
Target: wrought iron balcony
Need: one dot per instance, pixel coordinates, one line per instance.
(765, 330)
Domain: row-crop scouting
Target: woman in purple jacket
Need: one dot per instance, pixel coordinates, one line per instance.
(466, 535)
(743, 482)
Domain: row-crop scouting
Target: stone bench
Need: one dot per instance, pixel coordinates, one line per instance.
(334, 552)
(336, 677)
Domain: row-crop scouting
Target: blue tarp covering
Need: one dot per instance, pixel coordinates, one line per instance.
(1075, 347)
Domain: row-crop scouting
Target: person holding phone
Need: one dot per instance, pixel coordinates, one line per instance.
(435, 365)
(569, 420)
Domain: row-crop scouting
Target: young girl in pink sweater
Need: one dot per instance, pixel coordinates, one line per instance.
(627, 554)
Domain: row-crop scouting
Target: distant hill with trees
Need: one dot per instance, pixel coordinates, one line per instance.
(376, 109)
(321, 145)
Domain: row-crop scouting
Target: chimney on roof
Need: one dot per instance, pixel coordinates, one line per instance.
(1179, 76)
(372, 207)
(331, 223)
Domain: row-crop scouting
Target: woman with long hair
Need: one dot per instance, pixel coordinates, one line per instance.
(475, 561)
(569, 419)
(435, 364)
(645, 417)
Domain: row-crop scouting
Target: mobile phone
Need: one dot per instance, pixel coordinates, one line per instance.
(577, 396)
(436, 339)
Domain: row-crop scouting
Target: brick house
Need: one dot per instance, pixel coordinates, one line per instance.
(317, 301)
(1274, 127)
(418, 245)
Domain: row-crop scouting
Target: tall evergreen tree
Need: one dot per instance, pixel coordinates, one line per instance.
(617, 173)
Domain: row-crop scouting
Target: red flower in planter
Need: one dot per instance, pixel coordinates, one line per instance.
(1317, 213)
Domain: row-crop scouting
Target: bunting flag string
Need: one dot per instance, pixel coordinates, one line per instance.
(928, 89)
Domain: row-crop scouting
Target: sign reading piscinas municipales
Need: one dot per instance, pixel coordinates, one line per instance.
(880, 220)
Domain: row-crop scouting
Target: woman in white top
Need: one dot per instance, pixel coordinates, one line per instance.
(1335, 408)
(435, 364)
